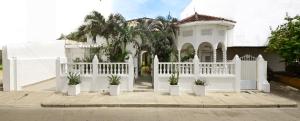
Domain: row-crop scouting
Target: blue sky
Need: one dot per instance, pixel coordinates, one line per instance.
(149, 8)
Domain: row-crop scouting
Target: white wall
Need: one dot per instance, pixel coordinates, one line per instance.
(88, 85)
(30, 71)
(215, 83)
(29, 63)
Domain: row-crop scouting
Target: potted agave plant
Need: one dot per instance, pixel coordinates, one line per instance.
(199, 87)
(74, 84)
(114, 85)
(174, 87)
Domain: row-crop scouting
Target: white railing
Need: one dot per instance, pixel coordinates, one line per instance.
(84, 69)
(96, 68)
(167, 68)
(218, 68)
(113, 68)
(103, 69)
(189, 68)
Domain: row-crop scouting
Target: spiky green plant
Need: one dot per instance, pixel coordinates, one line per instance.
(114, 80)
(74, 78)
(200, 82)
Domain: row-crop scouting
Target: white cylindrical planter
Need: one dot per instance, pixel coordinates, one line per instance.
(114, 90)
(174, 90)
(74, 90)
(199, 90)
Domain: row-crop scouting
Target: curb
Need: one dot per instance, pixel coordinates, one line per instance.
(168, 106)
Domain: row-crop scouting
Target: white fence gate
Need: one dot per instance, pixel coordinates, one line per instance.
(248, 72)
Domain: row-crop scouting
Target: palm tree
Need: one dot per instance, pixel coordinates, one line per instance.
(94, 24)
(162, 33)
(118, 34)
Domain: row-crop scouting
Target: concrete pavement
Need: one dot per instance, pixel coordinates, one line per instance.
(27, 113)
(250, 99)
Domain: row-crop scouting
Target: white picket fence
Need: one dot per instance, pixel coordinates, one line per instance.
(94, 76)
(220, 76)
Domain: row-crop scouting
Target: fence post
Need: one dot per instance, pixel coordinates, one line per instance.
(130, 73)
(262, 83)
(58, 72)
(155, 74)
(237, 71)
(95, 73)
(13, 74)
(196, 67)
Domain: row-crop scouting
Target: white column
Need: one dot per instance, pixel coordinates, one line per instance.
(237, 70)
(224, 55)
(214, 61)
(155, 75)
(262, 83)
(214, 55)
(58, 72)
(17, 85)
(130, 73)
(225, 61)
(94, 86)
(196, 66)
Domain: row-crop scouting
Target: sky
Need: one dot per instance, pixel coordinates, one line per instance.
(149, 8)
(42, 20)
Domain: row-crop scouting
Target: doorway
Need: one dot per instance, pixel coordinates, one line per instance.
(144, 80)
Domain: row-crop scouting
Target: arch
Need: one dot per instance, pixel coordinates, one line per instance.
(205, 52)
(221, 52)
(187, 52)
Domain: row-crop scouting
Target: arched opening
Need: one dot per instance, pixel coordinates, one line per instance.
(187, 52)
(205, 52)
(145, 63)
(219, 52)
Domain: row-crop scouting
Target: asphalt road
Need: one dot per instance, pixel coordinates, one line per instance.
(157, 114)
(147, 114)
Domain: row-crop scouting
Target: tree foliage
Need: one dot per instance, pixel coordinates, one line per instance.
(285, 40)
(157, 35)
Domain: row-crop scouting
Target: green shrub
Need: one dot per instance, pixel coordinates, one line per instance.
(200, 82)
(173, 80)
(74, 78)
(114, 80)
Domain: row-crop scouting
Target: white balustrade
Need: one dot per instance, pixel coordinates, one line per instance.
(113, 68)
(219, 68)
(187, 68)
(86, 69)
(81, 68)
(168, 68)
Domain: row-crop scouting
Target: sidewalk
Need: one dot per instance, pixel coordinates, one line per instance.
(145, 99)
(186, 100)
